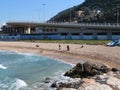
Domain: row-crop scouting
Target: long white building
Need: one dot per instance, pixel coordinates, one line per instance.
(26, 30)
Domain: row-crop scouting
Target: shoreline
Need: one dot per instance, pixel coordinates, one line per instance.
(91, 53)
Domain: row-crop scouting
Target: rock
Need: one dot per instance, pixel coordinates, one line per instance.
(96, 86)
(47, 80)
(96, 67)
(114, 82)
(114, 69)
(101, 79)
(89, 81)
(74, 83)
(109, 80)
(104, 69)
(75, 72)
(83, 70)
(54, 85)
(95, 72)
(87, 67)
(67, 89)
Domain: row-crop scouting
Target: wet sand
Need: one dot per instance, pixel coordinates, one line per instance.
(92, 53)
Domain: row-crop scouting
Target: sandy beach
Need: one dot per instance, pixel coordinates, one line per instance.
(92, 53)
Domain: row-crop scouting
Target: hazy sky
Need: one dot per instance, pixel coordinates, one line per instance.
(32, 10)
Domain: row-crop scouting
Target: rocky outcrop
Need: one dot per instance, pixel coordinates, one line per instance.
(87, 70)
(114, 82)
(67, 89)
(100, 82)
(96, 86)
(90, 77)
(104, 78)
(72, 83)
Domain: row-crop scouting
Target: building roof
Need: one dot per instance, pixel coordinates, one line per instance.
(67, 25)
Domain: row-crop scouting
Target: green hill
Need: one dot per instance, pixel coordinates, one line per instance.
(99, 11)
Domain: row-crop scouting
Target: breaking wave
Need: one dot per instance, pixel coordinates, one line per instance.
(2, 67)
(18, 84)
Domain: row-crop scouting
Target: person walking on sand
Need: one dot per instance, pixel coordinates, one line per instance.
(59, 47)
(68, 48)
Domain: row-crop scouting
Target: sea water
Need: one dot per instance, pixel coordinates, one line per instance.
(22, 71)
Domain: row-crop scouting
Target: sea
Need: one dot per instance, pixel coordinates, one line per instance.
(24, 71)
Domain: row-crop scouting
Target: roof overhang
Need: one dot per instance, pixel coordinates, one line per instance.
(64, 25)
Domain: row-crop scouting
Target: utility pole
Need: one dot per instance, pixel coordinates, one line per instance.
(44, 12)
(70, 15)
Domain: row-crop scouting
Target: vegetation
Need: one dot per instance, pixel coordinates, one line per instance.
(89, 42)
(101, 11)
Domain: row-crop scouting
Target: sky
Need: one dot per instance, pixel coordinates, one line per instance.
(33, 10)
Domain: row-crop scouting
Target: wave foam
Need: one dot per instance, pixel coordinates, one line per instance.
(2, 67)
(21, 53)
(18, 84)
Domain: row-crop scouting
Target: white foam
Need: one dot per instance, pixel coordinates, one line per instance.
(21, 53)
(2, 67)
(16, 52)
(18, 84)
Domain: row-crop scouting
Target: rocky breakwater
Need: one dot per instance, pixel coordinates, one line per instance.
(88, 76)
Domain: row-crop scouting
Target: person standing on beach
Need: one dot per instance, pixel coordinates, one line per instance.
(68, 48)
(81, 46)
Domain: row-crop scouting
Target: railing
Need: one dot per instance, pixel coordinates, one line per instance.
(84, 24)
(68, 24)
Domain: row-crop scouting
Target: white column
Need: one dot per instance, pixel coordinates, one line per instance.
(28, 30)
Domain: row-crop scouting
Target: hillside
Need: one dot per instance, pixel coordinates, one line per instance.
(90, 11)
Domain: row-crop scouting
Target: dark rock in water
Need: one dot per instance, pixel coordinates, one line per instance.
(54, 85)
(86, 70)
(47, 80)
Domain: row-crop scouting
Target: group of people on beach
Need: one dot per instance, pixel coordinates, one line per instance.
(68, 48)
